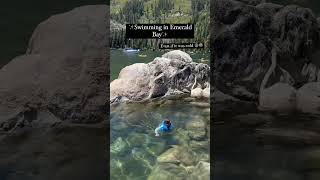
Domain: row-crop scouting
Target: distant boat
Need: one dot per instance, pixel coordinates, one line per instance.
(131, 50)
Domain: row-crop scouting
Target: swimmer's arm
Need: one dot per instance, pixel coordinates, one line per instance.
(156, 131)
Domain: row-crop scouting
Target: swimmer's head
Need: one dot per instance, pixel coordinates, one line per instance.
(167, 122)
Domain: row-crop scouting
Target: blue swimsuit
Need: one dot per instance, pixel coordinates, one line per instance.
(163, 128)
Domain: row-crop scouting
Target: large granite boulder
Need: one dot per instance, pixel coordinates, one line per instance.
(279, 97)
(245, 33)
(173, 73)
(308, 98)
(63, 73)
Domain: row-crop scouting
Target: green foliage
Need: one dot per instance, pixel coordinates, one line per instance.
(159, 11)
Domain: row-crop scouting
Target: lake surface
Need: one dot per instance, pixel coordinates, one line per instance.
(120, 59)
(281, 147)
(135, 148)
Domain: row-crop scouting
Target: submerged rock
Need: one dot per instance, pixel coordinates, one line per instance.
(168, 171)
(196, 129)
(177, 155)
(119, 146)
(201, 171)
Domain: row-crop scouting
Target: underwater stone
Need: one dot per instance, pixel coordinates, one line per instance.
(177, 155)
(136, 139)
(201, 171)
(119, 126)
(196, 129)
(118, 146)
(168, 171)
(156, 148)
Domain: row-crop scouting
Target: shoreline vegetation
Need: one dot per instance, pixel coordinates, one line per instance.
(158, 12)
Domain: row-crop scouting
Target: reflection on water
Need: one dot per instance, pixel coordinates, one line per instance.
(136, 153)
(253, 145)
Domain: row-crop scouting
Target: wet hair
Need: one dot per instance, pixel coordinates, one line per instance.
(167, 122)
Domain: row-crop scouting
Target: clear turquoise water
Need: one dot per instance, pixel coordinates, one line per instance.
(134, 147)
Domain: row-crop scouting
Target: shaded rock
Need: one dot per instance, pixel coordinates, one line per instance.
(279, 97)
(244, 34)
(64, 70)
(308, 98)
(219, 96)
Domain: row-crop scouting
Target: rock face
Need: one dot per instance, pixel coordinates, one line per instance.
(64, 71)
(308, 98)
(245, 33)
(173, 73)
(279, 97)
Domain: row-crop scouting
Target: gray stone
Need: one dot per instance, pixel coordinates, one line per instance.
(279, 97)
(308, 98)
(64, 70)
(173, 74)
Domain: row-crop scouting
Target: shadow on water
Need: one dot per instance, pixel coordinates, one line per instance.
(60, 152)
(271, 146)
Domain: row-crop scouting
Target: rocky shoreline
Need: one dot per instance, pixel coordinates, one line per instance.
(267, 54)
(63, 75)
(172, 74)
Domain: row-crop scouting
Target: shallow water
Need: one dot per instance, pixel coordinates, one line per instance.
(285, 147)
(133, 146)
